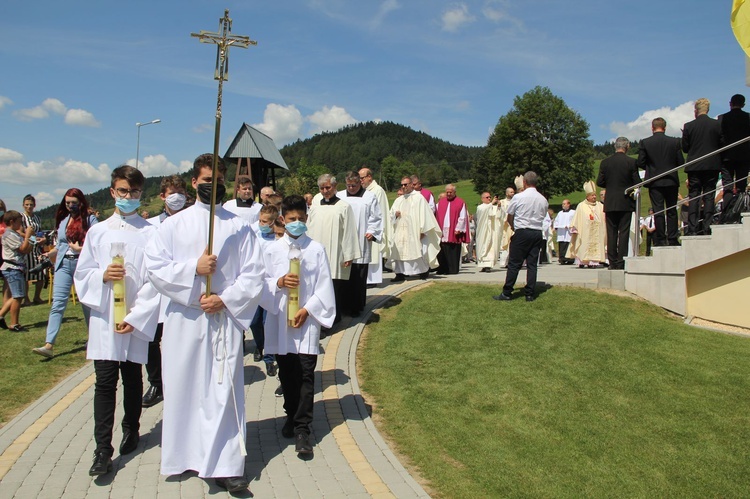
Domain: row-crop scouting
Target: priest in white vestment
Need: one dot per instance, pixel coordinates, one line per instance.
(489, 232)
(588, 243)
(332, 223)
(381, 250)
(507, 230)
(244, 204)
(204, 402)
(369, 229)
(416, 234)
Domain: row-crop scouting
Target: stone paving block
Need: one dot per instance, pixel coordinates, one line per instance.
(352, 486)
(9, 488)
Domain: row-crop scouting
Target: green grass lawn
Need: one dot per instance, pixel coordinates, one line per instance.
(578, 394)
(25, 376)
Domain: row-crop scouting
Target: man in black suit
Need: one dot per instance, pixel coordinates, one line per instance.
(617, 173)
(735, 162)
(658, 154)
(700, 137)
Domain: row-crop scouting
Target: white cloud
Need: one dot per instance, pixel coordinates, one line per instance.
(44, 199)
(330, 119)
(9, 155)
(282, 123)
(386, 8)
(158, 165)
(54, 106)
(640, 127)
(78, 117)
(456, 17)
(497, 12)
(13, 171)
(81, 117)
(4, 101)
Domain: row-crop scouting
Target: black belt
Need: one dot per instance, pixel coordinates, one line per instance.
(71, 256)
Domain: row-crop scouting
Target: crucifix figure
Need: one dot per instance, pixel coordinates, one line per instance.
(223, 39)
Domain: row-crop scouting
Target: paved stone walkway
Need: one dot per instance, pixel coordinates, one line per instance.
(46, 450)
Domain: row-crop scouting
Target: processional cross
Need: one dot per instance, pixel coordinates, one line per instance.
(223, 39)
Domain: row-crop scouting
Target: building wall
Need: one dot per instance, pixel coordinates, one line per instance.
(719, 290)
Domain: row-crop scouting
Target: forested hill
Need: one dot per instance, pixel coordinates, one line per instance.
(387, 145)
(389, 149)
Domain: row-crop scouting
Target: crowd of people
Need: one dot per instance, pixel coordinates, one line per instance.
(288, 268)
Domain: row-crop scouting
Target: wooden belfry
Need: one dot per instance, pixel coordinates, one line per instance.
(257, 157)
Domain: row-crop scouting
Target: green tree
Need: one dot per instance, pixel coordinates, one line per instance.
(540, 133)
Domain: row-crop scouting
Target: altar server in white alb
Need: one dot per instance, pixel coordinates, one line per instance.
(119, 332)
(244, 204)
(332, 223)
(202, 362)
(296, 345)
(370, 229)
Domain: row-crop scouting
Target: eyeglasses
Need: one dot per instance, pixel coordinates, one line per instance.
(134, 193)
(405, 185)
(362, 178)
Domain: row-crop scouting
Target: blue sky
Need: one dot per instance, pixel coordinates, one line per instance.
(79, 74)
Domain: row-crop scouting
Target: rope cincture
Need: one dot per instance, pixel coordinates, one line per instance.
(220, 356)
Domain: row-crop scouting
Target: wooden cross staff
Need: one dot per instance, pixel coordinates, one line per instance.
(223, 39)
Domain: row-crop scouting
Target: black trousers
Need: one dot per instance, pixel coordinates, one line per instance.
(524, 245)
(355, 296)
(297, 376)
(649, 242)
(666, 234)
(731, 171)
(543, 252)
(339, 294)
(153, 366)
(618, 230)
(105, 400)
(449, 258)
(562, 248)
(699, 183)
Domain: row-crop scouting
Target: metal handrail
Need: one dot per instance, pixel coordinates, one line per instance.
(693, 161)
(682, 201)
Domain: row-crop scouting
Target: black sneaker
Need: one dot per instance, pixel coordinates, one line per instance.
(257, 355)
(271, 369)
(279, 391)
(3, 324)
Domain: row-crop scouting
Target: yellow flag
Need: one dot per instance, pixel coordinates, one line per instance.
(741, 24)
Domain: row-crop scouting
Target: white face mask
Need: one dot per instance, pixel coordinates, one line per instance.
(175, 201)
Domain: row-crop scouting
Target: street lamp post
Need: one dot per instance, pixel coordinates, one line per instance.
(138, 138)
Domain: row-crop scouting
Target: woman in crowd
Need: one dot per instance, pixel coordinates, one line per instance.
(72, 221)
(30, 219)
(6, 289)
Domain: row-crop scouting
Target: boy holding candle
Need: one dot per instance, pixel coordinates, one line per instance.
(113, 258)
(295, 340)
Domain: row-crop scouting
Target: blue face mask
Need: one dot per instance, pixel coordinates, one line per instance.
(296, 228)
(126, 205)
(265, 229)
